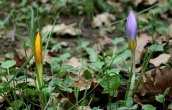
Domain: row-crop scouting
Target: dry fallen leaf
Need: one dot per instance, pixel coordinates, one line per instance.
(156, 81)
(62, 29)
(105, 41)
(170, 107)
(28, 52)
(47, 58)
(145, 2)
(170, 32)
(141, 42)
(73, 62)
(2, 36)
(137, 2)
(84, 108)
(117, 5)
(103, 19)
(137, 100)
(14, 84)
(81, 83)
(19, 61)
(1, 99)
(163, 58)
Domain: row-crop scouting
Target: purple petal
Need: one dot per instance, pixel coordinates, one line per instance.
(131, 26)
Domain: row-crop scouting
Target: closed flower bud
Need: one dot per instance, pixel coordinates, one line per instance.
(131, 30)
(131, 26)
(38, 49)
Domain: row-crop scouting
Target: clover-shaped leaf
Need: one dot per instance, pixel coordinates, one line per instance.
(8, 64)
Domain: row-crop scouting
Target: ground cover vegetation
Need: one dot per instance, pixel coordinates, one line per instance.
(85, 54)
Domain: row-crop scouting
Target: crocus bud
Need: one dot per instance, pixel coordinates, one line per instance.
(38, 49)
(131, 30)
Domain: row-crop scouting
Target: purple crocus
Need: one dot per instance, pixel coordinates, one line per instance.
(131, 26)
(131, 30)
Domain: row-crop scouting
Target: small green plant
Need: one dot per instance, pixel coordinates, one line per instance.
(161, 97)
(128, 105)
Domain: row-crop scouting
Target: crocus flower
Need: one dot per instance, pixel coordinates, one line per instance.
(131, 30)
(38, 55)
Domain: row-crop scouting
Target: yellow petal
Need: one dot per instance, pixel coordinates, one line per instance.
(132, 44)
(38, 49)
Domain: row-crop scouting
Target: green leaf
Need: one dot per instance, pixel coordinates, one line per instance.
(55, 81)
(95, 99)
(163, 29)
(21, 85)
(117, 40)
(98, 65)
(73, 70)
(61, 73)
(134, 107)
(85, 102)
(62, 57)
(87, 74)
(30, 91)
(68, 82)
(55, 66)
(7, 89)
(52, 95)
(156, 47)
(9, 108)
(62, 85)
(122, 48)
(67, 66)
(84, 66)
(2, 71)
(83, 45)
(166, 64)
(1, 105)
(114, 93)
(21, 78)
(115, 79)
(92, 54)
(50, 108)
(104, 84)
(121, 57)
(129, 102)
(122, 108)
(114, 106)
(115, 85)
(55, 47)
(113, 72)
(95, 108)
(109, 53)
(9, 55)
(8, 64)
(148, 107)
(18, 103)
(160, 98)
(166, 91)
(23, 3)
(28, 107)
(106, 91)
(63, 2)
(47, 89)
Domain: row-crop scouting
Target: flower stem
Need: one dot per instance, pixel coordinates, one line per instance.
(133, 76)
(40, 73)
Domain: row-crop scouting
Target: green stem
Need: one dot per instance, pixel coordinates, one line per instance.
(133, 76)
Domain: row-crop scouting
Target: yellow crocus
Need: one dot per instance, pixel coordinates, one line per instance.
(38, 55)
